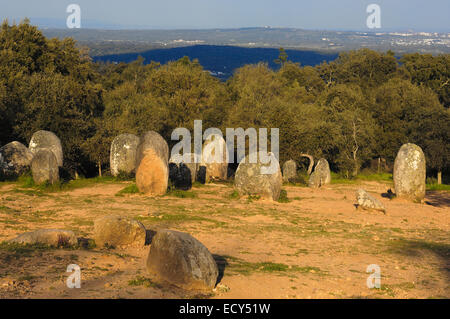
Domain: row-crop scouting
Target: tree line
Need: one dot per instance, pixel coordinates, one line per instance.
(363, 105)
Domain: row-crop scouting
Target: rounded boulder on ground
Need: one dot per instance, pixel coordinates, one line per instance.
(50, 237)
(289, 171)
(15, 159)
(152, 175)
(44, 167)
(410, 173)
(253, 179)
(118, 231)
(321, 175)
(122, 156)
(368, 202)
(152, 141)
(180, 259)
(47, 140)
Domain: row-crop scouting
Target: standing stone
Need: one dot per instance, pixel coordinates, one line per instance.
(216, 165)
(44, 167)
(15, 159)
(123, 154)
(410, 173)
(47, 140)
(180, 259)
(251, 180)
(152, 141)
(118, 231)
(289, 171)
(321, 175)
(368, 202)
(183, 173)
(152, 175)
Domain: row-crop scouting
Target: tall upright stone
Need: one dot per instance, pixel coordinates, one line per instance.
(122, 156)
(251, 178)
(152, 175)
(321, 175)
(47, 140)
(15, 159)
(215, 159)
(289, 171)
(151, 140)
(410, 173)
(182, 172)
(44, 167)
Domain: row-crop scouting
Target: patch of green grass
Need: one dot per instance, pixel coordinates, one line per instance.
(8, 210)
(234, 195)
(337, 178)
(236, 265)
(26, 181)
(82, 222)
(252, 198)
(143, 281)
(181, 194)
(21, 250)
(198, 184)
(283, 197)
(438, 187)
(26, 277)
(413, 247)
(387, 290)
(130, 189)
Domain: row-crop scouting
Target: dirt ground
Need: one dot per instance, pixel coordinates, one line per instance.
(315, 246)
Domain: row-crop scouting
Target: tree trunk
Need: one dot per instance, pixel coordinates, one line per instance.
(76, 174)
(311, 162)
(99, 169)
(439, 177)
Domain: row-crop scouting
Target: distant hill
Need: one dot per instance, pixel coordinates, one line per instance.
(221, 61)
(102, 42)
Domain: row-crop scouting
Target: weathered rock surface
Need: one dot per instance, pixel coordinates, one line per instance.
(183, 173)
(122, 156)
(44, 167)
(51, 237)
(289, 171)
(321, 175)
(152, 141)
(250, 180)
(15, 159)
(215, 159)
(152, 175)
(368, 202)
(410, 173)
(180, 259)
(116, 231)
(47, 140)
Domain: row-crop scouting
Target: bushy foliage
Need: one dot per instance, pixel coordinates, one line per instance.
(361, 106)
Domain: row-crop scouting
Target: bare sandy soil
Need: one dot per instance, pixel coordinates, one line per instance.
(316, 246)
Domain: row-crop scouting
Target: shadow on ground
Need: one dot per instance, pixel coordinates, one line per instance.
(221, 264)
(438, 198)
(415, 248)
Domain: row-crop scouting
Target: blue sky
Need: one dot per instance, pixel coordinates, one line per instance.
(419, 15)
